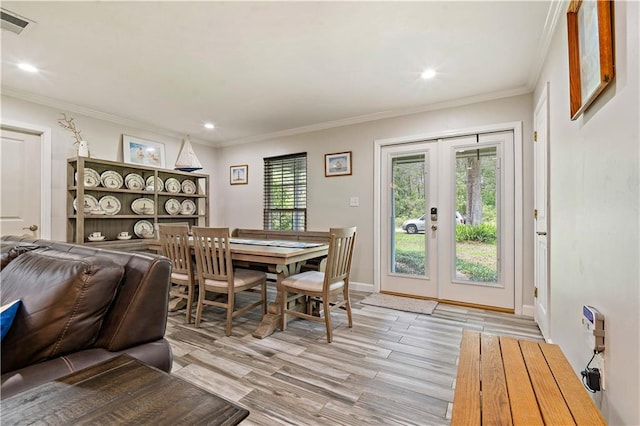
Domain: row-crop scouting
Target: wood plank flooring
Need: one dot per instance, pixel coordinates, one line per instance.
(391, 368)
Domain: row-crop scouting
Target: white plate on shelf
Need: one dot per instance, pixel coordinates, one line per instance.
(134, 181)
(188, 207)
(188, 187)
(172, 185)
(111, 179)
(110, 204)
(158, 186)
(142, 206)
(90, 202)
(100, 238)
(91, 178)
(144, 229)
(172, 206)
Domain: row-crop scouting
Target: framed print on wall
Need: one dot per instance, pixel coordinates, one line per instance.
(140, 151)
(337, 164)
(591, 67)
(239, 175)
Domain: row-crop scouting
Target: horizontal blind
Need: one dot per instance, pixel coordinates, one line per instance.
(285, 192)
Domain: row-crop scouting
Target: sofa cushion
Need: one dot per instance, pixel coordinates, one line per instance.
(64, 299)
(9, 250)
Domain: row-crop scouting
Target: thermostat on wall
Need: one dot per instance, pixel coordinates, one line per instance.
(593, 325)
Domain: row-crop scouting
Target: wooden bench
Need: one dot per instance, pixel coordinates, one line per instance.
(505, 381)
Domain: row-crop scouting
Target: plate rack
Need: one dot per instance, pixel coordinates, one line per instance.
(81, 221)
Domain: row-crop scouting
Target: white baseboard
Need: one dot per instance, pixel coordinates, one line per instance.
(361, 286)
(528, 310)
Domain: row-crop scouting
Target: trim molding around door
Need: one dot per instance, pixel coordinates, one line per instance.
(516, 128)
(45, 168)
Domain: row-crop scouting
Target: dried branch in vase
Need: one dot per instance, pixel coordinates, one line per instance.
(69, 124)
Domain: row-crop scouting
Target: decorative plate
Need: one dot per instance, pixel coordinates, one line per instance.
(172, 185)
(188, 187)
(144, 229)
(110, 204)
(158, 183)
(142, 206)
(134, 182)
(172, 206)
(111, 179)
(188, 207)
(91, 178)
(90, 202)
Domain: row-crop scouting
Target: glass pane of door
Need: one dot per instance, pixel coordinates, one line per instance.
(476, 201)
(408, 238)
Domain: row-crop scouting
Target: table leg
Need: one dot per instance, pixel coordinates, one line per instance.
(272, 320)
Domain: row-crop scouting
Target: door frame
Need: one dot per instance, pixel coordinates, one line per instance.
(516, 128)
(45, 168)
(543, 102)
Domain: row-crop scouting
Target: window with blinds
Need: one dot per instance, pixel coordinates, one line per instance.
(285, 192)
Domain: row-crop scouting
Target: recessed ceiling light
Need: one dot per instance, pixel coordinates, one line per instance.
(27, 67)
(209, 125)
(428, 73)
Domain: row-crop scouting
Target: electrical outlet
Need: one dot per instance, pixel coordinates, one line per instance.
(598, 362)
(354, 201)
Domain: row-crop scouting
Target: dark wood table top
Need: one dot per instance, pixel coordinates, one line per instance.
(122, 390)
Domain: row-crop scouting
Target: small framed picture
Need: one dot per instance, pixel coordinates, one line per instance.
(140, 151)
(337, 164)
(239, 175)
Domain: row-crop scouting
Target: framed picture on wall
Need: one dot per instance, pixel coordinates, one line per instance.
(591, 67)
(141, 151)
(337, 164)
(239, 175)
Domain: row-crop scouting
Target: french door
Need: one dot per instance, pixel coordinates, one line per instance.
(447, 228)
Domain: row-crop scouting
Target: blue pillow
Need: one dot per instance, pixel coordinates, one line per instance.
(7, 314)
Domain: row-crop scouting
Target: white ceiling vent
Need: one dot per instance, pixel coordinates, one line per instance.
(12, 22)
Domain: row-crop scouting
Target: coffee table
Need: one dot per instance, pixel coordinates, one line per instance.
(122, 390)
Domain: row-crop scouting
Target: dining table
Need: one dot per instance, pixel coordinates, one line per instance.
(279, 257)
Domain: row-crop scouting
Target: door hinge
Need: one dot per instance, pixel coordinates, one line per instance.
(535, 292)
(535, 136)
(535, 214)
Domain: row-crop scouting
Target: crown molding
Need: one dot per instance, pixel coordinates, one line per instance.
(94, 113)
(379, 116)
(556, 7)
(100, 115)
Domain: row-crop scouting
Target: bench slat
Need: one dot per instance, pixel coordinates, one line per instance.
(495, 400)
(581, 406)
(466, 407)
(524, 407)
(552, 406)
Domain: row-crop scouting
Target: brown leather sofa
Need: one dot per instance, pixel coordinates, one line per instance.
(80, 306)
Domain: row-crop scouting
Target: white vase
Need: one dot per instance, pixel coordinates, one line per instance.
(83, 149)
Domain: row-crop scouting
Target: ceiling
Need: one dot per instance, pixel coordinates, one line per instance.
(263, 69)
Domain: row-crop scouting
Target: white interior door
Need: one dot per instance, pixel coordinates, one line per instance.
(20, 184)
(409, 173)
(428, 189)
(541, 238)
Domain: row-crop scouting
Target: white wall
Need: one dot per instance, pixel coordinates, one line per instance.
(328, 198)
(594, 201)
(105, 142)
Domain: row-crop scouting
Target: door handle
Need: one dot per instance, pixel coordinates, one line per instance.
(32, 228)
(541, 233)
(434, 227)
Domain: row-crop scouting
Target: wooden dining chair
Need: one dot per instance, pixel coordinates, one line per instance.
(216, 274)
(174, 239)
(323, 286)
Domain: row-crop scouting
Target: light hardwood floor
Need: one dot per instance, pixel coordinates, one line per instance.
(391, 368)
